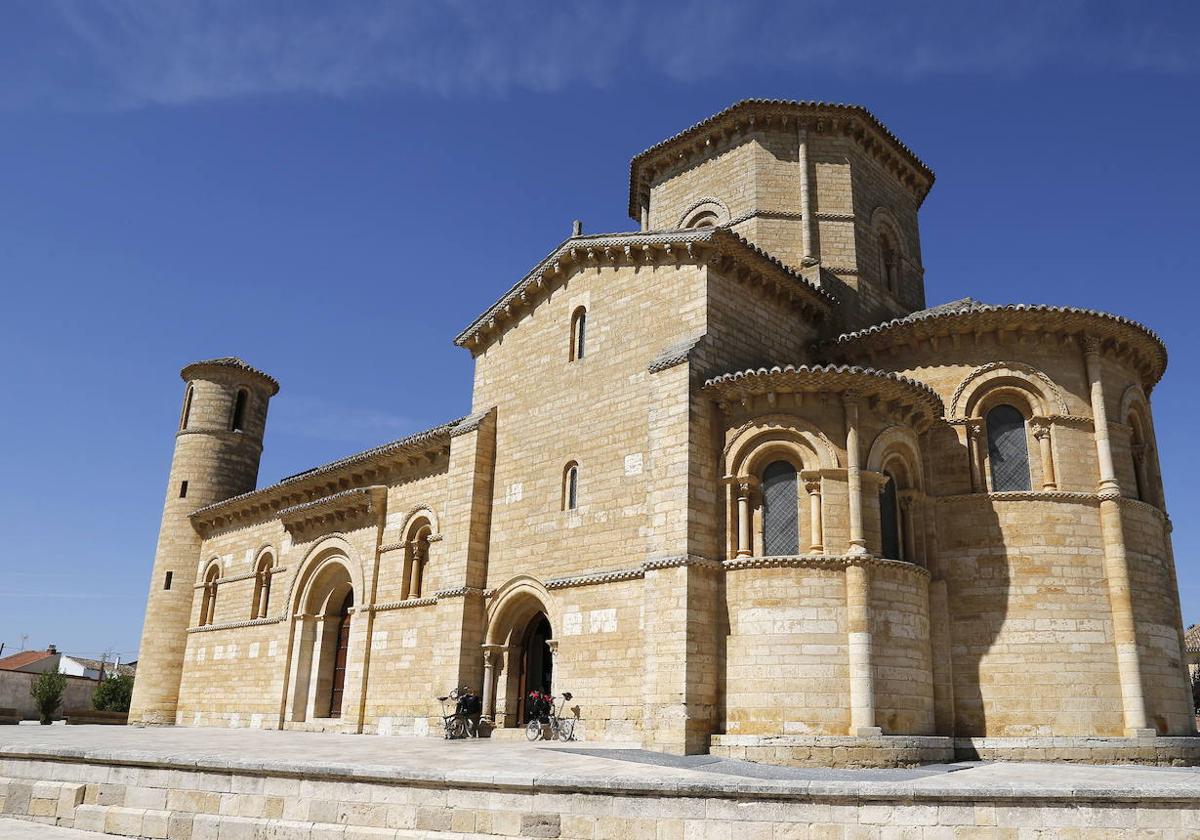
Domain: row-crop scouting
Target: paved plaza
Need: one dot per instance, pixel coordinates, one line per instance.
(603, 766)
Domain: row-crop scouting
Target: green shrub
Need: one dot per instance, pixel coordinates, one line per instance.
(113, 693)
(47, 692)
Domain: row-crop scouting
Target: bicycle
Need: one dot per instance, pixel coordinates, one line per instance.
(454, 725)
(561, 729)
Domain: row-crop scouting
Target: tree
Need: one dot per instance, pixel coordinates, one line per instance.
(113, 693)
(47, 692)
(1196, 690)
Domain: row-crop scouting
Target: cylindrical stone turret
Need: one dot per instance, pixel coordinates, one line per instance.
(217, 451)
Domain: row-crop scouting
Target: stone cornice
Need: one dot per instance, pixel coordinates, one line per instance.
(731, 125)
(408, 603)
(471, 423)
(709, 246)
(361, 469)
(903, 394)
(348, 505)
(819, 561)
(230, 362)
(593, 578)
(1121, 337)
(234, 625)
(461, 592)
(1020, 496)
(674, 354)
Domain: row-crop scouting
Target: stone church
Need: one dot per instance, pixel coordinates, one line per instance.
(727, 479)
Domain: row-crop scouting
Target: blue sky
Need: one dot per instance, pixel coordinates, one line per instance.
(332, 191)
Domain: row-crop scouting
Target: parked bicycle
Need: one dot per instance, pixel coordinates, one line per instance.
(543, 715)
(464, 720)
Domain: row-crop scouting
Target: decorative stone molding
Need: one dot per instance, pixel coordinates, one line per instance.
(719, 209)
(1052, 389)
(461, 592)
(969, 319)
(1139, 504)
(349, 506)
(408, 603)
(593, 578)
(274, 570)
(1020, 496)
(234, 625)
(912, 401)
(680, 560)
(820, 561)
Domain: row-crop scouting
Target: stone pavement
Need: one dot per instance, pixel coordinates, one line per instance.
(22, 830)
(595, 765)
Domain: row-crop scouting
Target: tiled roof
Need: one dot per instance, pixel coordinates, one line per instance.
(233, 362)
(926, 319)
(723, 239)
(771, 105)
(827, 376)
(413, 440)
(20, 660)
(108, 667)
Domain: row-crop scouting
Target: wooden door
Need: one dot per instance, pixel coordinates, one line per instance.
(339, 666)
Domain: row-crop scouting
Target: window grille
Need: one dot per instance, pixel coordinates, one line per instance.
(1008, 451)
(781, 526)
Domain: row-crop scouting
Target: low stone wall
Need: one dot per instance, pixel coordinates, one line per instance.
(833, 751)
(282, 801)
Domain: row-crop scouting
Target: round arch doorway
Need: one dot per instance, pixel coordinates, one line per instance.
(535, 663)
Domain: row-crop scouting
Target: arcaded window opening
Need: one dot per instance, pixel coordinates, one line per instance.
(1138, 454)
(780, 510)
(208, 603)
(187, 408)
(416, 558)
(261, 602)
(238, 422)
(570, 486)
(1008, 449)
(578, 334)
(889, 260)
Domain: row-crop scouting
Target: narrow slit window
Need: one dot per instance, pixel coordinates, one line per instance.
(239, 410)
(183, 489)
(570, 496)
(187, 408)
(578, 334)
(167, 580)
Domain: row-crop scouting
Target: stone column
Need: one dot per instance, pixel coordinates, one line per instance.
(858, 543)
(862, 682)
(645, 215)
(1041, 433)
(490, 652)
(807, 219)
(975, 446)
(745, 493)
(812, 484)
(908, 533)
(1116, 563)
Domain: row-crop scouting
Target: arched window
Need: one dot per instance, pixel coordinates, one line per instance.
(208, 603)
(417, 559)
(570, 488)
(703, 219)
(1137, 451)
(238, 422)
(578, 333)
(889, 261)
(781, 526)
(262, 587)
(187, 408)
(1008, 451)
(891, 544)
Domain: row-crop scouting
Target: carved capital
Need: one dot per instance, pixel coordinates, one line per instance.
(974, 429)
(1091, 345)
(746, 485)
(1040, 427)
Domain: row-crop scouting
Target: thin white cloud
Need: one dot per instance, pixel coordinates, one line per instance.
(137, 53)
